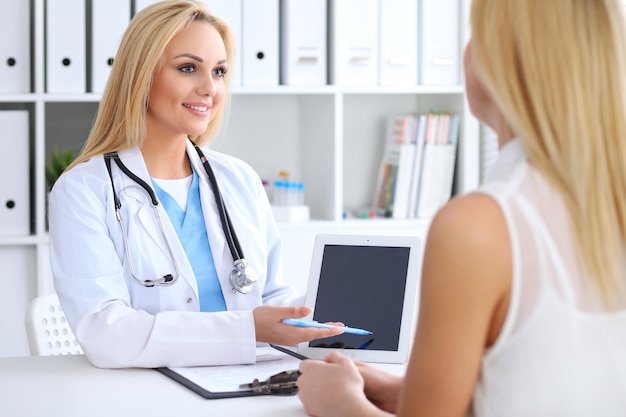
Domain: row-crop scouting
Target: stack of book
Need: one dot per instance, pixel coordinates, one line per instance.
(417, 168)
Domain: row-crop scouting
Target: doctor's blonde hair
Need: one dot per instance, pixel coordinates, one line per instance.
(121, 119)
(556, 71)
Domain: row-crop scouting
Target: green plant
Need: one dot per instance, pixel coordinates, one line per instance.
(58, 162)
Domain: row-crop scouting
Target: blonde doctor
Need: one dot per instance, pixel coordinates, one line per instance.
(164, 253)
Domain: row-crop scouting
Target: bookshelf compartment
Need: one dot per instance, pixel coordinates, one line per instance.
(67, 125)
(294, 133)
(365, 117)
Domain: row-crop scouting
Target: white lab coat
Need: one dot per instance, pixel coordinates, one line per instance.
(119, 322)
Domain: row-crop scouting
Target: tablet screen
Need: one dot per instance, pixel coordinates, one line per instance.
(364, 287)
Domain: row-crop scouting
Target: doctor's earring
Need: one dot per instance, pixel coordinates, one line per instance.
(240, 279)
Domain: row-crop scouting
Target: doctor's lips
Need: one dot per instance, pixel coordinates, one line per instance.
(197, 107)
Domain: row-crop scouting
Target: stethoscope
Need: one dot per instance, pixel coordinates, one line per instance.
(239, 278)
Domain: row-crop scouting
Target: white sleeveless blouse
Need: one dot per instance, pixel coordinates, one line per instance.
(560, 353)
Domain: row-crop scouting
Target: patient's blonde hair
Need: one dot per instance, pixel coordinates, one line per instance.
(557, 71)
(121, 119)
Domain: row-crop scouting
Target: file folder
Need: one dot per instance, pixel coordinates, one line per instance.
(438, 163)
(230, 12)
(437, 177)
(15, 169)
(15, 68)
(398, 42)
(303, 51)
(439, 42)
(108, 22)
(260, 42)
(66, 46)
(354, 42)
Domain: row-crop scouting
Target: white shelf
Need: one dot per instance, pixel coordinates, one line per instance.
(22, 240)
(243, 91)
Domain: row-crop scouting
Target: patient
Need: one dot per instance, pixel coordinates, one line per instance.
(523, 299)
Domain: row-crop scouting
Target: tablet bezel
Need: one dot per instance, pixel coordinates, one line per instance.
(410, 303)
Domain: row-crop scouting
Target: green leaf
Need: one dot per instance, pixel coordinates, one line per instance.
(58, 162)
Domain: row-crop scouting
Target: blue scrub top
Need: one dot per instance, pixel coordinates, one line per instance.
(192, 233)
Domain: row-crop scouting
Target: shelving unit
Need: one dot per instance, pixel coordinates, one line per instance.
(329, 137)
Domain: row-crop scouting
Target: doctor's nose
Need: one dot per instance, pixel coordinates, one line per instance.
(209, 86)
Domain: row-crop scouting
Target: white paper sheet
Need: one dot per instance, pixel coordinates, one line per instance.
(227, 378)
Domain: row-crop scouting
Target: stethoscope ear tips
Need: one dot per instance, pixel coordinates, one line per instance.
(240, 279)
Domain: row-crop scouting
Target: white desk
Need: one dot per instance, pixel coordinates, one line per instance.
(68, 386)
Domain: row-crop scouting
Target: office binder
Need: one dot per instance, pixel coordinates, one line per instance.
(438, 163)
(303, 51)
(230, 12)
(108, 22)
(66, 46)
(394, 178)
(398, 42)
(260, 48)
(353, 42)
(15, 169)
(15, 46)
(437, 177)
(405, 127)
(439, 42)
(419, 139)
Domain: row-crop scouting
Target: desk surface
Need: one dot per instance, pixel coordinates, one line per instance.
(70, 386)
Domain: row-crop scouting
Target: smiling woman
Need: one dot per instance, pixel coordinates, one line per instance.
(148, 232)
(187, 90)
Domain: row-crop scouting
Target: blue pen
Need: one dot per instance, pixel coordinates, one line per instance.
(318, 325)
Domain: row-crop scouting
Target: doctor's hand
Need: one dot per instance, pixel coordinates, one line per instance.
(270, 329)
(334, 388)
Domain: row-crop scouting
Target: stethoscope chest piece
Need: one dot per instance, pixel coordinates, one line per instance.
(240, 279)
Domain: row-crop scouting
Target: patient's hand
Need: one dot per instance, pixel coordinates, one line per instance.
(382, 388)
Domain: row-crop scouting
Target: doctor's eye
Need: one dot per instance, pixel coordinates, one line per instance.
(187, 68)
(220, 72)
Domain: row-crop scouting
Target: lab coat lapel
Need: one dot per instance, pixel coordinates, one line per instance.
(219, 249)
(133, 159)
(141, 204)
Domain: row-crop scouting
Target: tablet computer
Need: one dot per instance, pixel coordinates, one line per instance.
(366, 282)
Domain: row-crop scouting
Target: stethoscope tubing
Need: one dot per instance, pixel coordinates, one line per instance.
(239, 278)
(167, 279)
(229, 230)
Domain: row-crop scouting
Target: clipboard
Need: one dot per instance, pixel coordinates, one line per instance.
(216, 382)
